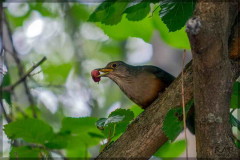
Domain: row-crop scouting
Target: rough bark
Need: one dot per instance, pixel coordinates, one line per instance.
(213, 77)
(144, 136)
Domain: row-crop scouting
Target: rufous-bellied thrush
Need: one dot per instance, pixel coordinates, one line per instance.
(142, 84)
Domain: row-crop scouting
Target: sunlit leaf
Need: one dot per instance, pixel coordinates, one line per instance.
(177, 39)
(126, 29)
(31, 130)
(170, 150)
(136, 110)
(175, 13)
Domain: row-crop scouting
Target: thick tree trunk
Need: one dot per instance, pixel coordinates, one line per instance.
(144, 136)
(213, 77)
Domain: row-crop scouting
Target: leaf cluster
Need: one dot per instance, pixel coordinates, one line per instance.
(174, 13)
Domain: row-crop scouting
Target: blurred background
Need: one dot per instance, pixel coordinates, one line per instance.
(62, 86)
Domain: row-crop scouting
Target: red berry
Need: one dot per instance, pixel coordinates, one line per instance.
(95, 74)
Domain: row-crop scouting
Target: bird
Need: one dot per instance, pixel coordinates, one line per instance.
(141, 84)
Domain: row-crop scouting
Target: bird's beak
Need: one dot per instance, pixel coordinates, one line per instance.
(104, 71)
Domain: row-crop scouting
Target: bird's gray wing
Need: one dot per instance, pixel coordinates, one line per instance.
(161, 74)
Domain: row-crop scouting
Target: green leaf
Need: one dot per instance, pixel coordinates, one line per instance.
(6, 95)
(116, 123)
(79, 125)
(234, 121)
(173, 124)
(109, 12)
(52, 74)
(177, 39)
(123, 115)
(25, 152)
(237, 143)
(126, 29)
(96, 135)
(78, 144)
(235, 98)
(31, 130)
(139, 11)
(58, 141)
(82, 134)
(169, 150)
(175, 13)
(115, 117)
(136, 110)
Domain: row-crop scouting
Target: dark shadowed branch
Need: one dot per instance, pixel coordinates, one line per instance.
(15, 54)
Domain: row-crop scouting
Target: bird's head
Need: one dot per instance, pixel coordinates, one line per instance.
(115, 70)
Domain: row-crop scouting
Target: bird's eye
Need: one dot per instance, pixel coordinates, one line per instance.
(114, 65)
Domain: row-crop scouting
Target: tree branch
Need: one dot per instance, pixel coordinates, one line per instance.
(144, 135)
(22, 79)
(20, 67)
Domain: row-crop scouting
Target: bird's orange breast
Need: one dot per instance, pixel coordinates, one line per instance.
(143, 90)
(151, 92)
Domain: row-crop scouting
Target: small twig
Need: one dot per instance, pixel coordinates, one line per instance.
(8, 119)
(11, 87)
(183, 105)
(35, 73)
